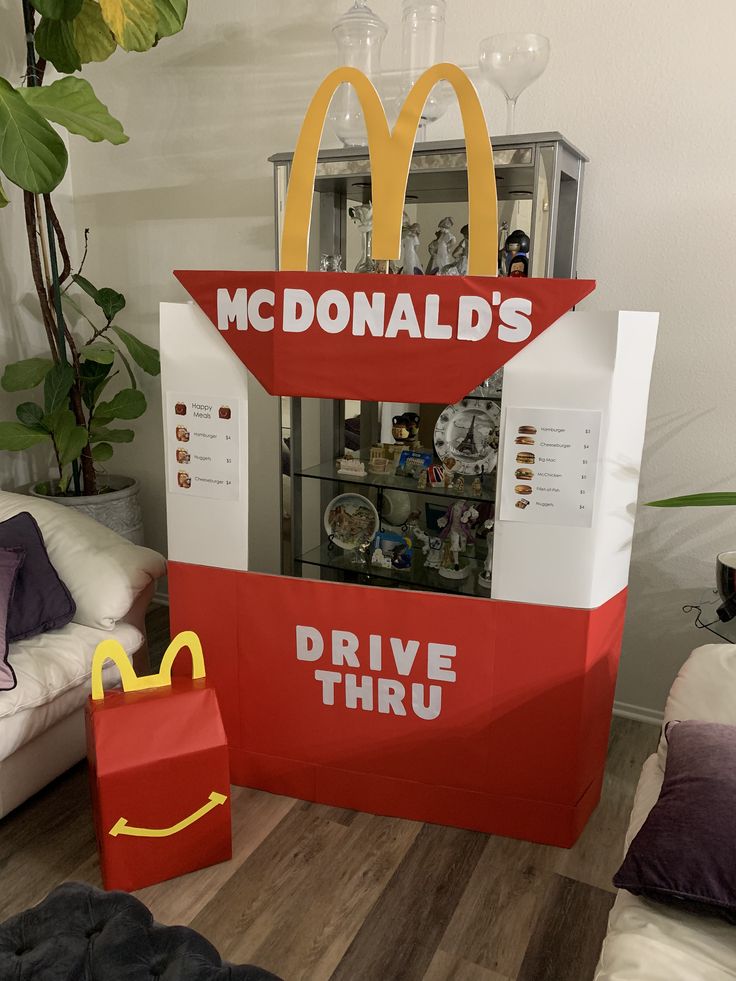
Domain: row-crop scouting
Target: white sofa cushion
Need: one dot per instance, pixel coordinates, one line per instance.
(104, 573)
(705, 687)
(647, 940)
(53, 672)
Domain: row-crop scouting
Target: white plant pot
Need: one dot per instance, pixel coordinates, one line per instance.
(118, 509)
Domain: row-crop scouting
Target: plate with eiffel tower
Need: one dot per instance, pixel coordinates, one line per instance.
(467, 434)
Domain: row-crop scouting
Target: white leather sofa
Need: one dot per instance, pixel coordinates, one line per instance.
(647, 941)
(112, 583)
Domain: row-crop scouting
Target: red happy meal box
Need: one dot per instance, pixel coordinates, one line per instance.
(159, 770)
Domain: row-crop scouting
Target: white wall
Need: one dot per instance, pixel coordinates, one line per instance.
(646, 90)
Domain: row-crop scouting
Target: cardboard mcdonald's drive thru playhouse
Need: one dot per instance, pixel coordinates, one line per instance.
(477, 690)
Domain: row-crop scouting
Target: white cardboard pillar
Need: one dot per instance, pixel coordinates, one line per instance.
(595, 362)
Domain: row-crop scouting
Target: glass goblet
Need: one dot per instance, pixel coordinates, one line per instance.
(513, 62)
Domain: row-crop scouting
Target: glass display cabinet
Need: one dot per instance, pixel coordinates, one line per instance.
(397, 494)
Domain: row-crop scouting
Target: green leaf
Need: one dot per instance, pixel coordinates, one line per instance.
(102, 452)
(171, 16)
(70, 439)
(58, 9)
(717, 499)
(133, 22)
(55, 42)
(101, 353)
(111, 435)
(92, 37)
(16, 436)
(26, 374)
(72, 103)
(93, 376)
(110, 302)
(32, 154)
(85, 284)
(126, 364)
(31, 415)
(129, 403)
(145, 356)
(3, 200)
(56, 387)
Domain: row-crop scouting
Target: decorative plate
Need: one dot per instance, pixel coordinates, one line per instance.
(490, 388)
(466, 436)
(351, 521)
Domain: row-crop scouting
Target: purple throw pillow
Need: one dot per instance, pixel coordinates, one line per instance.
(685, 853)
(11, 559)
(41, 601)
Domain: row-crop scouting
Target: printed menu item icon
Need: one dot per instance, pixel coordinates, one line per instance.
(523, 474)
(524, 441)
(529, 430)
(180, 408)
(183, 479)
(224, 412)
(182, 456)
(522, 503)
(523, 489)
(526, 458)
(182, 434)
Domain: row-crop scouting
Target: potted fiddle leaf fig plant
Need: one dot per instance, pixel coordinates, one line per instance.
(80, 404)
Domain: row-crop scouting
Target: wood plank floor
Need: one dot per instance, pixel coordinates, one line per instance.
(316, 893)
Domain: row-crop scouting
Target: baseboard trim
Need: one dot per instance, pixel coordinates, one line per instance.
(638, 713)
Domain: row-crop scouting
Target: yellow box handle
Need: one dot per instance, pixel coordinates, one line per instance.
(113, 650)
(121, 826)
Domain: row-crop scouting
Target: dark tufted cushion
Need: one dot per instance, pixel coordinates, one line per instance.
(79, 933)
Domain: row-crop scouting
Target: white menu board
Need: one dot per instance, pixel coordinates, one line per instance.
(203, 445)
(550, 464)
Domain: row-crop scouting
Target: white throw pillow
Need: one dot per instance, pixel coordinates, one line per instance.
(104, 573)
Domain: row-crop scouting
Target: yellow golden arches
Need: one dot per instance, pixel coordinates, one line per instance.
(390, 154)
(112, 649)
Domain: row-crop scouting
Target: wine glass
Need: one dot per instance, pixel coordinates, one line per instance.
(512, 62)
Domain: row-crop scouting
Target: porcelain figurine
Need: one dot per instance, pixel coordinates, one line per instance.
(440, 249)
(457, 533)
(431, 547)
(484, 579)
(410, 261)
(460, 253)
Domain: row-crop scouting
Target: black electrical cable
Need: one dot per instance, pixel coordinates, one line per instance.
(705, 626)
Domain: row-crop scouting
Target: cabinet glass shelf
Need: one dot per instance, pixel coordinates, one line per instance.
(418, 577)
(328, 471)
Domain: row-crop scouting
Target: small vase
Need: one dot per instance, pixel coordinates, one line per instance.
(366, 263)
